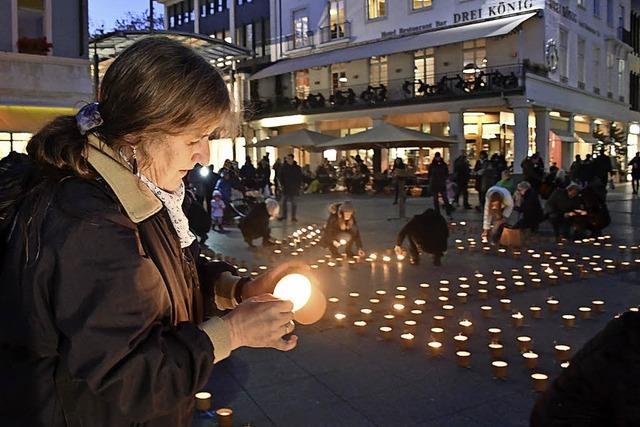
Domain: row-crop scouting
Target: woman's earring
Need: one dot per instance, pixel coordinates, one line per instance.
(134, 162)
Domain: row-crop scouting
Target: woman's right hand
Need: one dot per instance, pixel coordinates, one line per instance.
(261, 322)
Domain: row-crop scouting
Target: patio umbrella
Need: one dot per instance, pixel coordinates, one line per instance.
(388, 136)
(304, 138)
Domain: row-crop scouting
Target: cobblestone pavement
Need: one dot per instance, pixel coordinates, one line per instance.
(336, 377)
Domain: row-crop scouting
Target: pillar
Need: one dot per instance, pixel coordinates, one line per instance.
(456, 129)
(543, 126)
(521, 137)
(315, 157)
(568, 148)
(196, 15)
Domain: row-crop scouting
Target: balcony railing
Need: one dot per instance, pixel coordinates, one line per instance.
(297, 41)
(624, 36)
(442, 87)
(335, 32)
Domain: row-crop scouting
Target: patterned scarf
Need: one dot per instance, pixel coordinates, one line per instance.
(173, 202)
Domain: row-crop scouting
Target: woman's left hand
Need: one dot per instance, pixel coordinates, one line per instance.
(265, 283)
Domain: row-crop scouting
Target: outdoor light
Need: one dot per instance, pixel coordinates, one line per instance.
(204, 171)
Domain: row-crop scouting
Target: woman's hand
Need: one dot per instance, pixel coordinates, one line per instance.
(266, 283)
(261, 322)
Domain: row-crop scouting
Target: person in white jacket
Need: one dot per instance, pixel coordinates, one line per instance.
(498, 207)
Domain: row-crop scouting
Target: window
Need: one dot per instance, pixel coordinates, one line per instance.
(474, 53)
(338, 76)
(31, 18)
(582, 4)
(610, 65)
(376, 9)
(13, 141)
(581, 64)
(424, 66)
(300, 28)
(596, 8)
(302, 84)
(596, 67)
(563, 50)
(179, 8)
(212, 7)
(378, 72)
(171, 10)
(621, 67)
(249, 37)
(336, 19)
(203, 10)
(610, 13)
(222, 5)
(420, 4)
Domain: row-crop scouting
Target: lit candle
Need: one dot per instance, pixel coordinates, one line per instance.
(334, 300)
(386, 258)
(399, 308)
(353, 296)
(565, 365)
(381, 292)
(386, 332)
(443, 290)
(444, 282)
(536, 282)
(448, 310)
(569, 320)
(553, 279)
(494, 334)
(366, 313)
(585, 312)
(437, 333)
(419, 302)
(460, 342)
(407, 340)
(400, 297)
(295, 288)
(520, 286)
(501, 290)
(438, 320)
(374, 300)
(495, 349)
(410, 325)
(506, 304)
(499, 369)
(416, 312)
(530, 359)
(517, 320)
(524, 343)
(462, 297)
(203, 401)
(553, 304)
(442, 298)
(486, 311)
(389, 319)
(598, 305)
(483, 293)
(540, 382)
(340, 319)
(464, 358)
(536, 312)
(225, 417)
(435, 348)
(502, 252)
(361, 326)
(562, 352)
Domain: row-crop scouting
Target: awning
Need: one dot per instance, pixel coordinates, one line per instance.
(14, 118)
(587, 137)
(491, 28)
(564, 136)
(387, 135)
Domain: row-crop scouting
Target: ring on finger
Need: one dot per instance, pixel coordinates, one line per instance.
(288, 327)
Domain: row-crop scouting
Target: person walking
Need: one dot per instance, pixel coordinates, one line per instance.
(635, 172)
(438, 173)
(462, 173)
(290, 178)
(399, 176)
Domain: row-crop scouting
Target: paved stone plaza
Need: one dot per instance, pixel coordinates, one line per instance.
(336, 377)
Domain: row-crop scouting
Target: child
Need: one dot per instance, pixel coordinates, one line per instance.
(217, 210)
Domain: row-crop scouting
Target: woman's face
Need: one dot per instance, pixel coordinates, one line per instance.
(170, 160)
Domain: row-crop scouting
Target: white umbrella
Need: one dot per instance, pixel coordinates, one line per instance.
(304, 138)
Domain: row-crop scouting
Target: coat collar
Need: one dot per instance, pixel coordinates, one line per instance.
(137, 200)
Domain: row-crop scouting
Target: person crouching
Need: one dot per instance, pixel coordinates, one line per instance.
(427, 232)
(342, 229)
(256, 223)
(217, 210)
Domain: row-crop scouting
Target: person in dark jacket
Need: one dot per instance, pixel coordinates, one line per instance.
(462, 173)
(527, 204)
(256, 224)
(438, 173)
(597, 217)
(104, 294)
(602, 168)
(342, 230)
(634, 164)
(248, 174)
(600, 386)
(427, 232)
(290, 177)
(399, 176)
(533, 171)
(564, 209)
(263, 177)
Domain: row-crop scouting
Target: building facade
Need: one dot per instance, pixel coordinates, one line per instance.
(513, 76)
(43, 64)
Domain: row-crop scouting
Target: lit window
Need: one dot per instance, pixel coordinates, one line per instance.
(424, 66)
(420, 4)
(302, 84)
(378, 71)
(474, 53)
(300, 29)
(376, 8)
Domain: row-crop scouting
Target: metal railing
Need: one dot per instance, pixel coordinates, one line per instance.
(293, 41)
(624, 35)
(491, 81)
(335, 32)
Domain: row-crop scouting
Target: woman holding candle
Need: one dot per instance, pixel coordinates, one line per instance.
(342, 229)
(498, 207)
(104, 295)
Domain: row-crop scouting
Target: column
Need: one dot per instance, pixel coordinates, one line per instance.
(521, 136)
(47, 24)
(543, 126)
(315, 157)
(456, 129)
(568, 148)
(14, 25)
(196, 15)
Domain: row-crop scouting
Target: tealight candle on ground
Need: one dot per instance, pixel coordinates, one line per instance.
(524, 343)
(407, 340)
(400, 297)
(366, 313)
(374, 300)
(553, 304)
(381, 292)
(536, 312)
(495, 349)
(361, 326)
(540, 382)
(483, 293)
(419, 302)
(519, 285)
(401, 288)
(416, 312)
(598, 305)
(499, 369)
(464, 358)
(517, 320)
(442, 298)
(389, 319)
(501, 290)
(494, 334)
(353, 296)
(398, 308)
(466, 326)
(585, 312)
(569, 320)
(565, 365)
(461, 342)
(486, 311)
(438, 320)
(435, 348)
(225, 417)
(530, 359)
(505, 303)
(448, 310)
(386, 332)
(334, 300)
(462, 297)
(203, 401)
(562, 352)
(410, 325)
(340, 319)
(437, 334)
(536, 282)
